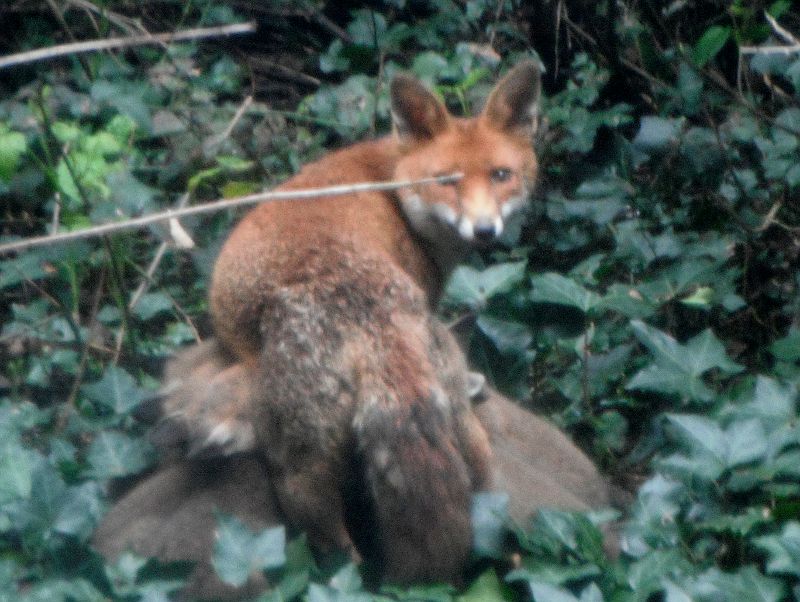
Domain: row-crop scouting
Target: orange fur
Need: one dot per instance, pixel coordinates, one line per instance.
(327, 304)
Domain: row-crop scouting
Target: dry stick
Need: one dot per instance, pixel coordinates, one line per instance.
(219, 205)
(151, 269)
(794, 43)
(94, 45)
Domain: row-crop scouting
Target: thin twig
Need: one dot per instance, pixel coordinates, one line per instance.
(219, 205)
(215, 141)
(770, 49)
(780, 31)
(793, 42)
(147, 278)
(120, 42)
(126, 24)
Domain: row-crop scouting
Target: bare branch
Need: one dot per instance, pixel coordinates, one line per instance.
(219, 205)
(770, 49)
(792, 41)
(780, 31)
(42, 54)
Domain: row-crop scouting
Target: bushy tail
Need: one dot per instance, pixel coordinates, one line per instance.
(205, 407)
(419, 485)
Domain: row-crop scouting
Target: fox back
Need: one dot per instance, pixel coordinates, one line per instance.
(328, 303)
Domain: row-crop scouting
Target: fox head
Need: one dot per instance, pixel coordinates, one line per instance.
(493, 152)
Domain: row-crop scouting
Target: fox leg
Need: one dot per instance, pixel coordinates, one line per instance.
(310, 498)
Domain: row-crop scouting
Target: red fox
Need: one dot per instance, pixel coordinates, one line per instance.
(171, 514)
(327, 304)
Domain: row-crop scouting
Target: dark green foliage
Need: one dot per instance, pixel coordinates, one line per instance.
(649, 301)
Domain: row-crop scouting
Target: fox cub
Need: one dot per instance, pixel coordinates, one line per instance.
(172, 514)
(326, 304)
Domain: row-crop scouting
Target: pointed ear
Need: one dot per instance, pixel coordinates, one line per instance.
(513, 105)
(417, 114)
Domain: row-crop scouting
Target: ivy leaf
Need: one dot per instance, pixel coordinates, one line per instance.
(705, 351)
(473, 288)
(152, 304)
(12, 146)
(238, 552)
(627, 301)
(783, 550)
(544, 592)
(555, 288)
(113, 454)
(787, 349)
(744, 584)
(712, 449)
(16, 470)
(489, 517)
(709, 44)
(509, 337)
(668, 379)
(656, 133)
(80, 510)
(116, 390)
(677, 368)
(344, 586)
(487, 588)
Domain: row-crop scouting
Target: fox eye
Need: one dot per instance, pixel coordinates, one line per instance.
(500, 174)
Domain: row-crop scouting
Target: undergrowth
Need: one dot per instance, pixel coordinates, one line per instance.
(648, 302)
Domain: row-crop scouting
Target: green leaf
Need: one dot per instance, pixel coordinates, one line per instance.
(544, 592)
(744, 441)
(592, 593)
(702, 435)
(487, 588)
(238, 552)
(783, 550)
(65, 132)
(80, 510)
(473, 288)
(787, 349)
(740, 525)
(489, 519)
(555, 288)
(16, 470)
(773, 403)
(656, 133)
(670, 380)
(745, 584)
(677, 368)
(116, 390)
(710, 43)
(152, 304)
(701, 297)
(705, 351)
(509, 337)
(627, 301)
(113, 454)
(12, 146)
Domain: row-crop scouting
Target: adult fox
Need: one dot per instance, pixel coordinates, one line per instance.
(328, 304)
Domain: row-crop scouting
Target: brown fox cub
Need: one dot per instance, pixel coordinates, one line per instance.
(171, 514)
(327, 303)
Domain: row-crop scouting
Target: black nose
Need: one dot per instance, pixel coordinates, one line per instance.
(485, 232)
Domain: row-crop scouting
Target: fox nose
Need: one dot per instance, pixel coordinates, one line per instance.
(486, 230)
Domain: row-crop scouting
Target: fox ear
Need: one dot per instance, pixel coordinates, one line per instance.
(417, 114)
(513, 105)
